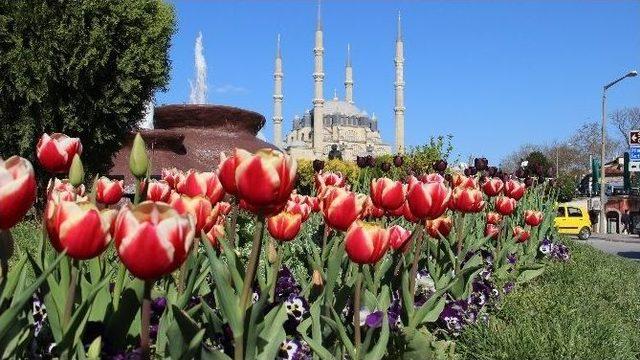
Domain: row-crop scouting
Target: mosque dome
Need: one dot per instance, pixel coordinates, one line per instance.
(342, 107)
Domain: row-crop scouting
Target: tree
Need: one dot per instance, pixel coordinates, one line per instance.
(625, 120)
(85, 68)
(566, 186)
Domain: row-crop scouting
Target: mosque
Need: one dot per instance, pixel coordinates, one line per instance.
(344, 126)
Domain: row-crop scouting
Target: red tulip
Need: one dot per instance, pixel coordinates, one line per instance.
(369, 210)
(172, 176)
(458, 179)
(398, 237)
(152, 239)
(220, 209)
(324, 179)
(468, 183)
(227, 173)
(215, 234)
(299, 208)
(56, 152)
(284, 226)
(387, 194)
(514, 189)
(158, 191)
(439, 227)
(264, 179)
(467, 200)
(199, 207)
(341, 207)
(521, 235)
(494, 218)
(493, 186)
(533, 218)
(492, 231)
(79, 228)
(366, 243)
(17, 190)
(428, 200)
(505, 205)
(108, 191)
(63, 190)
(194, 183)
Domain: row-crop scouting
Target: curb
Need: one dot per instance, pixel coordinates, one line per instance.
(626, 241)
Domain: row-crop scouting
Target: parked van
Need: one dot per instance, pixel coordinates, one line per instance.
(573, 220)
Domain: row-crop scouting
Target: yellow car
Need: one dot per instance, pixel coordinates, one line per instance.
(573, 220)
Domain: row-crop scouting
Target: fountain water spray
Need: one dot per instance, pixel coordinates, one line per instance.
(199, 88)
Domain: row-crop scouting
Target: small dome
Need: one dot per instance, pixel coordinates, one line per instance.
(341, 107)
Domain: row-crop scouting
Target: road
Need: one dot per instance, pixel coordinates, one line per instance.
(627, 246)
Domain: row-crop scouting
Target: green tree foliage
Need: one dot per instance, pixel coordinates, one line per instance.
(85, 68)
(566, 186)
(537, 158)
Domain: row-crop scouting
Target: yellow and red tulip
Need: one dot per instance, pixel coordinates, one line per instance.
(467, 200)
(439, 227)
(387, 194)
(533, 218)
(299, 208)
(79, 228)
(17, 190)
(493, 186)
(366, 243)
(56, 152)
(341, 207)
(492, 231)
(198, 207)
(494, 218)
(227, 173)
(285, 225)
(505, 205)
(152, 239)
(514, 189)
(428, 200)
(172, 176)
(324, 179)
(109, 191)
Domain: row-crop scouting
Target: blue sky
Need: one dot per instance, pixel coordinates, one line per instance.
(494, 74)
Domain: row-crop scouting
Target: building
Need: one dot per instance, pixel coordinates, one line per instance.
(344, 125)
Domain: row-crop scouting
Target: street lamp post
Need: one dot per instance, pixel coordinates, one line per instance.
(603, 212)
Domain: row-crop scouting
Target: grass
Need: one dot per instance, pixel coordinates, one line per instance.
(588, 308)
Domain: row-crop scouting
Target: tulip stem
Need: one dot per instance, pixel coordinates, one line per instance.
(356, 311)
(276, 269)
(325, 237)
(249, 276)
(460, 236)
(232, 225)
(416, 258)
(71, 294)
(145, 320)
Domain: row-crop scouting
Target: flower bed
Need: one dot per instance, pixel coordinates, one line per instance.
(236, 264)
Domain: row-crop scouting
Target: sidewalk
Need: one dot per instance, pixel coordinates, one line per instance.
(624, 238)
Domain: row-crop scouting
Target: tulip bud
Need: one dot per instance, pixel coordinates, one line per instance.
(505, 205)
(492, 187)
(492, 171)
(472, 171)
(138, 160)
(366, 243)
(467, 200)
(439, 227)
(385, 166)
(17, 190)
(398, 160)
(371, 161)
(519, 173)
(440, 165)
(318, 165)
(76, 172)
(533, 218)
(520, 235)
(429, 200)
(316, 278)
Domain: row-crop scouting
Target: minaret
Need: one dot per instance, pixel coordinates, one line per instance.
(277, 98)
(318, 99)
(348, 78)
(399, 89)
